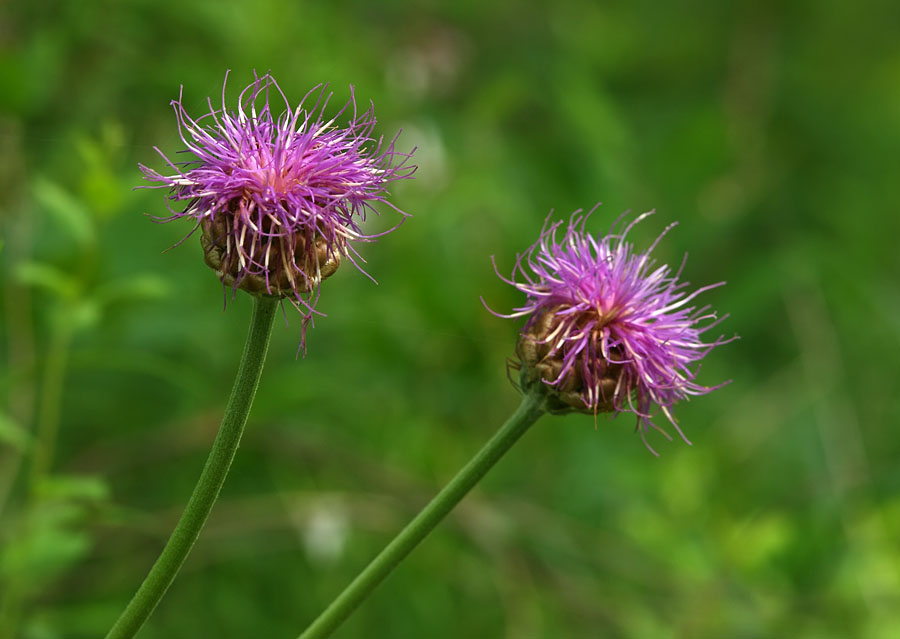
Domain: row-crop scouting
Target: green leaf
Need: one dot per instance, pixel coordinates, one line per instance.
(85, 314)
(135, 288)
(75, 487)
(54, 544)
(66, 210)
(100, 186)
(12, 434)
(48, 277)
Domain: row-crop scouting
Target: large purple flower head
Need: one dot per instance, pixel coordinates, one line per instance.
(279, 194)
(608, 329)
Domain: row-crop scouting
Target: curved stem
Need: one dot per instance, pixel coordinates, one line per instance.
(526, 414)
(211, 479)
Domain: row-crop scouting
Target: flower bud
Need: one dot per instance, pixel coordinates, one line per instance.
(607, 330)
(542, 371)
(291, 268)
(279, 199)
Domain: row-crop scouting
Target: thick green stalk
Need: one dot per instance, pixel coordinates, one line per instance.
(527, 414)
(211, 479)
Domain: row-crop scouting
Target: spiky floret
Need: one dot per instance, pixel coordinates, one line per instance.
(279, 198)
(608, 329)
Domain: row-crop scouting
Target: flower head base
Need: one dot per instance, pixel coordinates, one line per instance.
(608, 330)
(280, 198)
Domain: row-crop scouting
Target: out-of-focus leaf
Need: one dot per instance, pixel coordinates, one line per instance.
(102, 191)
(53, 544)
(12, 434)
(75, 487)
(67, 210)
(49, 278)
(135, 288)
(100, 186)
(85, 314)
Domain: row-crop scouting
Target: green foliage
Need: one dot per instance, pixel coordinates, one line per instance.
(13, 434)
(49, 278)
(66, 211)
(769, 130)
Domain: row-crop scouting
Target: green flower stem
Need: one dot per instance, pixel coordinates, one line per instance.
(526, 414)
(211, 479)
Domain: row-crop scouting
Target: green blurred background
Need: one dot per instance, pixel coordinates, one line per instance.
(770, 130)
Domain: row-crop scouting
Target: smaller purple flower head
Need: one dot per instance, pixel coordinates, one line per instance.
(279, 197)
(608, 329)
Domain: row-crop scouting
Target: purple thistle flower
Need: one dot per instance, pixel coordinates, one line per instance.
(279, 199)
(608, 329)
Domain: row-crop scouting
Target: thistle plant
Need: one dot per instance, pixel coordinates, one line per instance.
(607, 330)
(279, 198)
